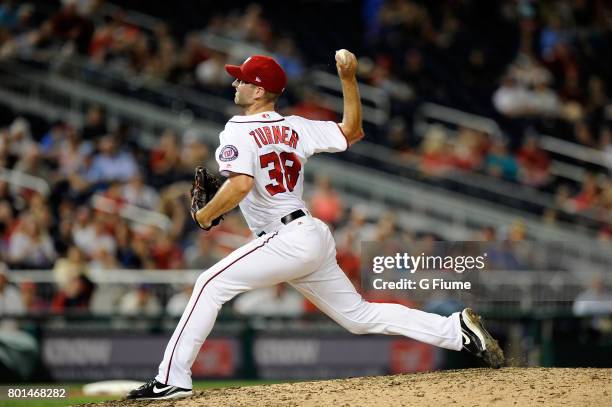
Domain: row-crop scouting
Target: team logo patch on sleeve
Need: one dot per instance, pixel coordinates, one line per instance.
(228, 153)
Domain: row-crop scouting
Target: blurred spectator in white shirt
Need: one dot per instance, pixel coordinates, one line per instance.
(31, 162)
(92, 236)
(20, 138)
(280, 300)
(211, 72)
(511, 99)
(140, 301)
(177, 303)
(596, 300)
(30, 245)
(136, 192)
(10, 297)
(68, 267)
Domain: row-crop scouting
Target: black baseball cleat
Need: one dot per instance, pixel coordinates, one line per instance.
(154, 390)
(477, 341)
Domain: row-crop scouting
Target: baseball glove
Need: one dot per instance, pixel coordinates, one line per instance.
(204, 187)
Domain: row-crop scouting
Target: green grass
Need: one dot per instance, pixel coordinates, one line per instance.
(76, 397)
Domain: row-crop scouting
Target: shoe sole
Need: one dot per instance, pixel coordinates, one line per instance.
(177, 395)
(492, 354)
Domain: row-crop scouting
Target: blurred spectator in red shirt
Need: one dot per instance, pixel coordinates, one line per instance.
(348, 259)
(467, 153)
(325, 202)
(165, 159)
(68, 24)
(605, 233)
(312, 107)
(8, 223)
(142, 249)
(114, 198)
(166, 253)
(75, 297)
(588, 195)
(436, 158)
(32, 302)
(534, 163)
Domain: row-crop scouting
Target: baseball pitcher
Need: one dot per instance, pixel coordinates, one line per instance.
(262, 155)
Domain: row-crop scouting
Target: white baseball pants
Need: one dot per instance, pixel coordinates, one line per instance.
(302, 253)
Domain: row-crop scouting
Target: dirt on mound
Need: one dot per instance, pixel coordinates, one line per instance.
(471, 387)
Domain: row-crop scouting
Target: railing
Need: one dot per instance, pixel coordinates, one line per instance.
(576, 151)
(23, 180)
(455, 117)
(183, 100)
(56, 91)
(131, 16)
(118, 276)
(526, 281)
(132, 212)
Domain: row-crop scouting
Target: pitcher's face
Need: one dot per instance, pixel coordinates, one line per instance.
(245, 93)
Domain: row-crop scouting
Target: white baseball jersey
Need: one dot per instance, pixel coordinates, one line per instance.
(273, 149)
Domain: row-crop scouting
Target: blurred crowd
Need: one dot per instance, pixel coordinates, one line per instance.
(82, 27)
(543, 71)
(95, 173)
(80, 227)
(535, 67)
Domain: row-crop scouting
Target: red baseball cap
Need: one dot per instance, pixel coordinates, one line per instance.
(262, 71)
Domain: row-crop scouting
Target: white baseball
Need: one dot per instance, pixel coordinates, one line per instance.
(342, 56)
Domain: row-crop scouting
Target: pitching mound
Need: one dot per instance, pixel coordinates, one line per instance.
(473, 387)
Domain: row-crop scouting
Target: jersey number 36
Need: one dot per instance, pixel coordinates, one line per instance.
(285, 172)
